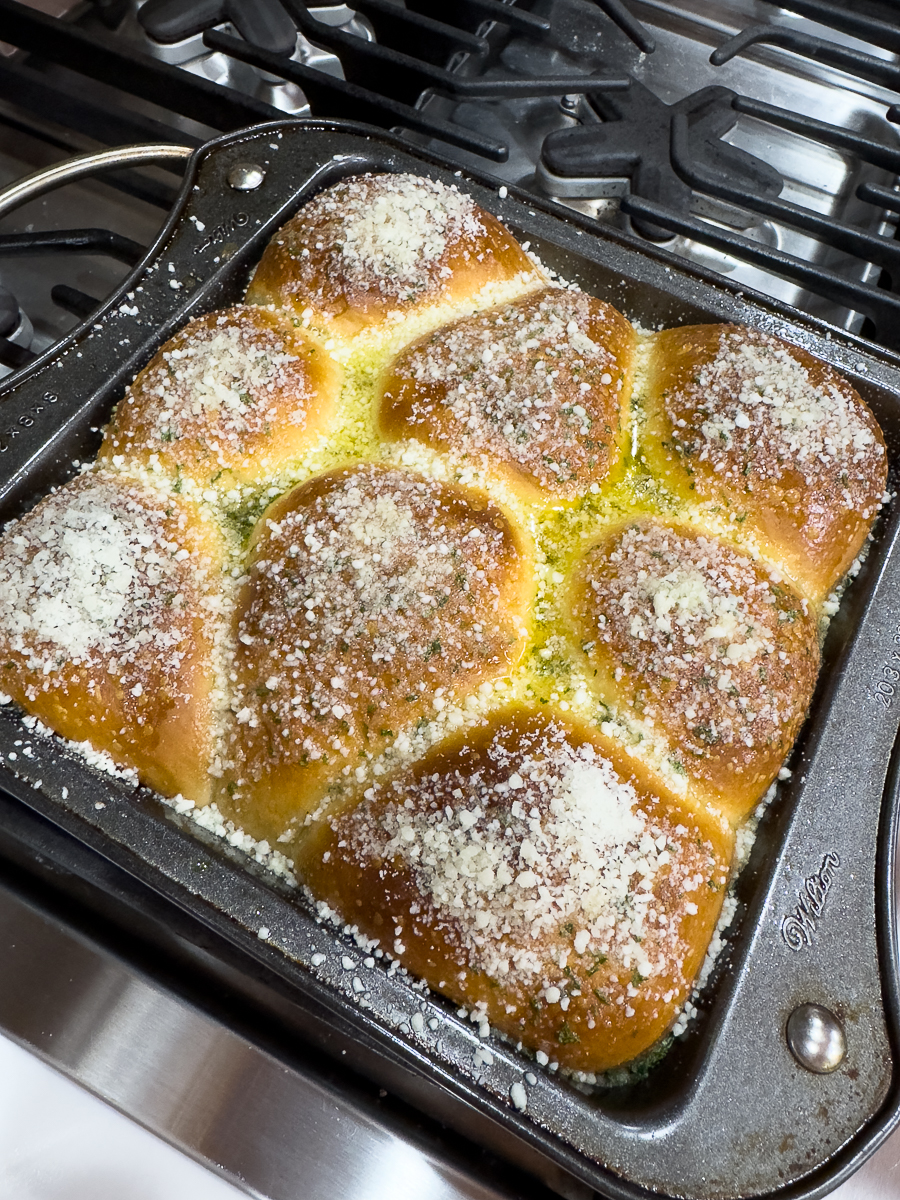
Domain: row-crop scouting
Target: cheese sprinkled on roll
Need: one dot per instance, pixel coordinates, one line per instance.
(524, 873)
(539, 385)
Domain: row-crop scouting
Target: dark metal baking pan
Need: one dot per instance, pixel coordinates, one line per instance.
(728, 1112)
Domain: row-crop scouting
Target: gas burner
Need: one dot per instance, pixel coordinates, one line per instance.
(634, 142)
(177, 32)
(741, 176)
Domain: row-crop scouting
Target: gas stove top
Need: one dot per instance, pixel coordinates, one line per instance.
(757, 141)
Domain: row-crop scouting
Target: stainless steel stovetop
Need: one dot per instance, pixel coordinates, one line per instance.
(818, 177)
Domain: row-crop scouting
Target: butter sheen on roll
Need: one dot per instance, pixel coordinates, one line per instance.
(736, 417)
(496, 615)
(372, 596)
(539, 387)
(702, 642)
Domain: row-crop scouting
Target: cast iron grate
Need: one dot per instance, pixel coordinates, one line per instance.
(383, 81)
(634, 140)
(690, 161)
(673, 154)
(429, 50)
(79, 304)
(877, 31)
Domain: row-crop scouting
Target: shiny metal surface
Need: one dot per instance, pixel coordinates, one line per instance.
(816, 1038)
(194, 56)
(107, 1029)
(245, 177)
(816, 177)
(59, 1142)
(84, 165)
(274, 1131)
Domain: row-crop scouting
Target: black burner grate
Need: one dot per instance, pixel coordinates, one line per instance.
(635, 140)
(876, 31)
(263, 23)
(441, 73)
(113, 89)
(881, 304)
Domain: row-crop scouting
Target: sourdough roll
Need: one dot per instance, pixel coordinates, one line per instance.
(375, 250)
(770, 437)
(374, 599)
(111, 599)
(715, 652)
(538, 388)
(525, 872)
(233, 399)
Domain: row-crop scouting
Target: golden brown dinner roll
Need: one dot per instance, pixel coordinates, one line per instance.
(110, 609)
(523, 871)
(374, 598)
(739, 417)
(539, 388)
(375, 249)
(712, 649)
(232, 399)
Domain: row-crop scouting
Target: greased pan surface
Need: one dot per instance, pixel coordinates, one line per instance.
(728, 1113)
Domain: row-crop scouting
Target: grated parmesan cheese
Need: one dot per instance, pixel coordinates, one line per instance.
(539, 831)
(536, 384)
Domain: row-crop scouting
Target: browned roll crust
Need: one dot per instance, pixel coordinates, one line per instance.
(374, 598)
(522, 873)
(741, 418)
(375, 247)
(110, 597)
(714, 650)
(539, 387)
(231, 399)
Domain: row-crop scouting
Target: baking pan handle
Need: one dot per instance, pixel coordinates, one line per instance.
(237, 190)
(83, 165)
(41, 403)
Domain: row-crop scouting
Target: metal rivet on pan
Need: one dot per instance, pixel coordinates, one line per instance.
(245, 176)
(816, 1038)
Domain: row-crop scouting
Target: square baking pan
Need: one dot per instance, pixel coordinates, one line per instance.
(728, 1112)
